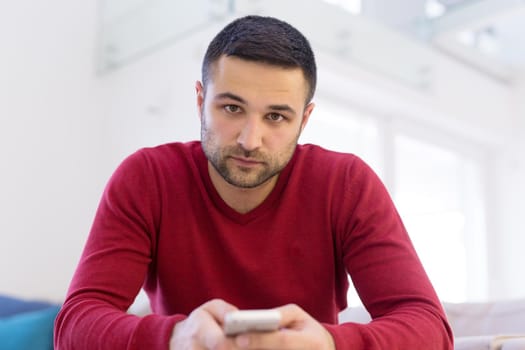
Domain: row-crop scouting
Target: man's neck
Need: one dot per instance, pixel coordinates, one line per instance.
(241, 200)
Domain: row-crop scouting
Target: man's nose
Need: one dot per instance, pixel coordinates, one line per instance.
(250, 137)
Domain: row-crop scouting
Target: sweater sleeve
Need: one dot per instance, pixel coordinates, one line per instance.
(386, 272)
(113, 267)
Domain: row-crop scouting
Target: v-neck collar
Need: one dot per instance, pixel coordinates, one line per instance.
(225, 209)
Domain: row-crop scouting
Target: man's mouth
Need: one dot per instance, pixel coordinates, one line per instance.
(245, 162)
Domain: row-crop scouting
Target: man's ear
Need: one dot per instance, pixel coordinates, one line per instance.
(200, 97)
(306, 114)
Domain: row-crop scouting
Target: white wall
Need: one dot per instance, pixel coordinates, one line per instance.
(64, 130)
(152, 100)
(507, 171)
(50, 142)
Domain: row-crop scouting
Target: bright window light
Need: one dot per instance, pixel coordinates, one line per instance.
(345, 130)
(434, 9)
(485, 40)
(438, 191)
(467, 37)
(352, 6)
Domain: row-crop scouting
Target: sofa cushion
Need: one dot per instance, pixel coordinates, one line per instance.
(481, 342)
(357, 314)
(28, 330)
(489, 318)
(11, 306)
(514, 344)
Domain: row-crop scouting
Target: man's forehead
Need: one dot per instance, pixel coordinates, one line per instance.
(241, 77)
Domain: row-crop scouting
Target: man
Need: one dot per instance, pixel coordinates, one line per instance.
(247, 219)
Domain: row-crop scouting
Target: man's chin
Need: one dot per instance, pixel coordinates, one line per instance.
(245, 182)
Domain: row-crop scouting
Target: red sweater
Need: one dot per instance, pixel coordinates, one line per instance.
(162, 225)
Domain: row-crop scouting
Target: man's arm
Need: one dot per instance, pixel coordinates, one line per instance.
(112, 269)
(377, 253)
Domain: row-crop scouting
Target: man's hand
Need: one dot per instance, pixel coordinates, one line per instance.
(203, 328)
(298, 331)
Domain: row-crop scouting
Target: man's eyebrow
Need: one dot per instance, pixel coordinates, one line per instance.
(282, 108)
(229, 95)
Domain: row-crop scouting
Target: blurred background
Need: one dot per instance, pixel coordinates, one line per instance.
(431, 93)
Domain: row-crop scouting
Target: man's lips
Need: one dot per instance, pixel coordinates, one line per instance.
(247, 162)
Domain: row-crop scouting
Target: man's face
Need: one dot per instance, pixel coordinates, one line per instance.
(251, 117)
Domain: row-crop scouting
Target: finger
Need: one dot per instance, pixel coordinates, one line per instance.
(218, 308)
(215, 339)
(213, 335)
(282, 339)
(291, 315)
(292, 319)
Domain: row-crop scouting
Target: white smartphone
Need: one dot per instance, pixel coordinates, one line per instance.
(241, 321)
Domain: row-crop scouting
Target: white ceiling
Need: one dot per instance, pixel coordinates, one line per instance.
(487, 34)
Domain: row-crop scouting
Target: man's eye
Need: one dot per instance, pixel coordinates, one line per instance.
(232, 108)
(275, 117)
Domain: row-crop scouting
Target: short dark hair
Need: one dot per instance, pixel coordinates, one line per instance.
(263, 39)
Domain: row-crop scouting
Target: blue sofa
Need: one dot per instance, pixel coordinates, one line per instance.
(26, 324)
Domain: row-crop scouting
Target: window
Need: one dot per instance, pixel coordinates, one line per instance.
(435, 191)
(438, 190)
(345, 130)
